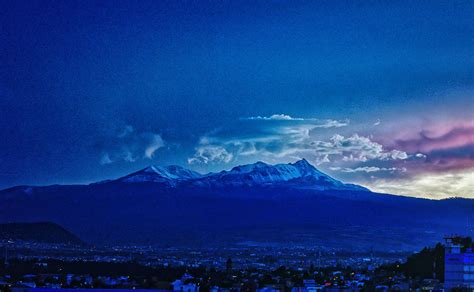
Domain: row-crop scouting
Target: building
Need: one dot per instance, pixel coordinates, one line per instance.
(459, 263)
(308, 286)
(179, 285)
(185, 284)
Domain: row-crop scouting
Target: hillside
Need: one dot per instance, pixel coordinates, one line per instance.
(41, 232)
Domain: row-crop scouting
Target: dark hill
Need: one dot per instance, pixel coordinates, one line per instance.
(41, 232)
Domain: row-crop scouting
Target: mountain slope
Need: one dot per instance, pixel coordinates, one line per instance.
(169, 174)
(40, 232)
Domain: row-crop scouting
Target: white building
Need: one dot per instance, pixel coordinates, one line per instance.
(459, 264)
(179, 285)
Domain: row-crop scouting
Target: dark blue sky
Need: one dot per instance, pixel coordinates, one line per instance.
(95, 89)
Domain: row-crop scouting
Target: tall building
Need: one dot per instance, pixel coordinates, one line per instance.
(459, 263)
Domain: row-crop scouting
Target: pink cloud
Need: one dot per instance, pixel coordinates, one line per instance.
(429, 140)
(447, 146)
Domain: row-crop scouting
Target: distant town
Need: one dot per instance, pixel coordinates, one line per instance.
(40, 267)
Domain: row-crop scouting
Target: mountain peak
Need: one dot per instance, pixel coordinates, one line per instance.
(150, 169)
(160, 174)
(249, 167)
(307, 169)
(303, 163)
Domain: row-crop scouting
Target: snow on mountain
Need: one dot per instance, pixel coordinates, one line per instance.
(167, 174)
(261, 173)
(300, 174)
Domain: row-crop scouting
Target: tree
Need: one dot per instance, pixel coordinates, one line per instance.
(229, 265)
(428, 263)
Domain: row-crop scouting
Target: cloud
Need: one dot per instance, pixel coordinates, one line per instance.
(427, 141)
(359, 148)
(105, 159)
(376, 123)
(451, 150)
(154, 142)
(129, 145)
(126, 131)
(286, 141)
(277, 117)
(284, 117)
(367, 169)
(210, 154)
(431, 185)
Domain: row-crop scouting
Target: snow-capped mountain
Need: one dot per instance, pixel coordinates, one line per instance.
(169, 174)
(300, 174)
(262, 173)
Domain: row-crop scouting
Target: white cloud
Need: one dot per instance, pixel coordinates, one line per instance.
(279, 142)
(278, 117)
(325, 159)
(155, 142)
(210, 154)
(367, 169)
(318, 123)
(130, 145)
(356, 148)
(333, 124)
(429, 185)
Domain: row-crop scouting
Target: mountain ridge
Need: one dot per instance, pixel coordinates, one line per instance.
(300, 174)
(164, 174)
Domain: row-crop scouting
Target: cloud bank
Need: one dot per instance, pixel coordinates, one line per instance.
(289, 138)
(452, 149)
(431, 185)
